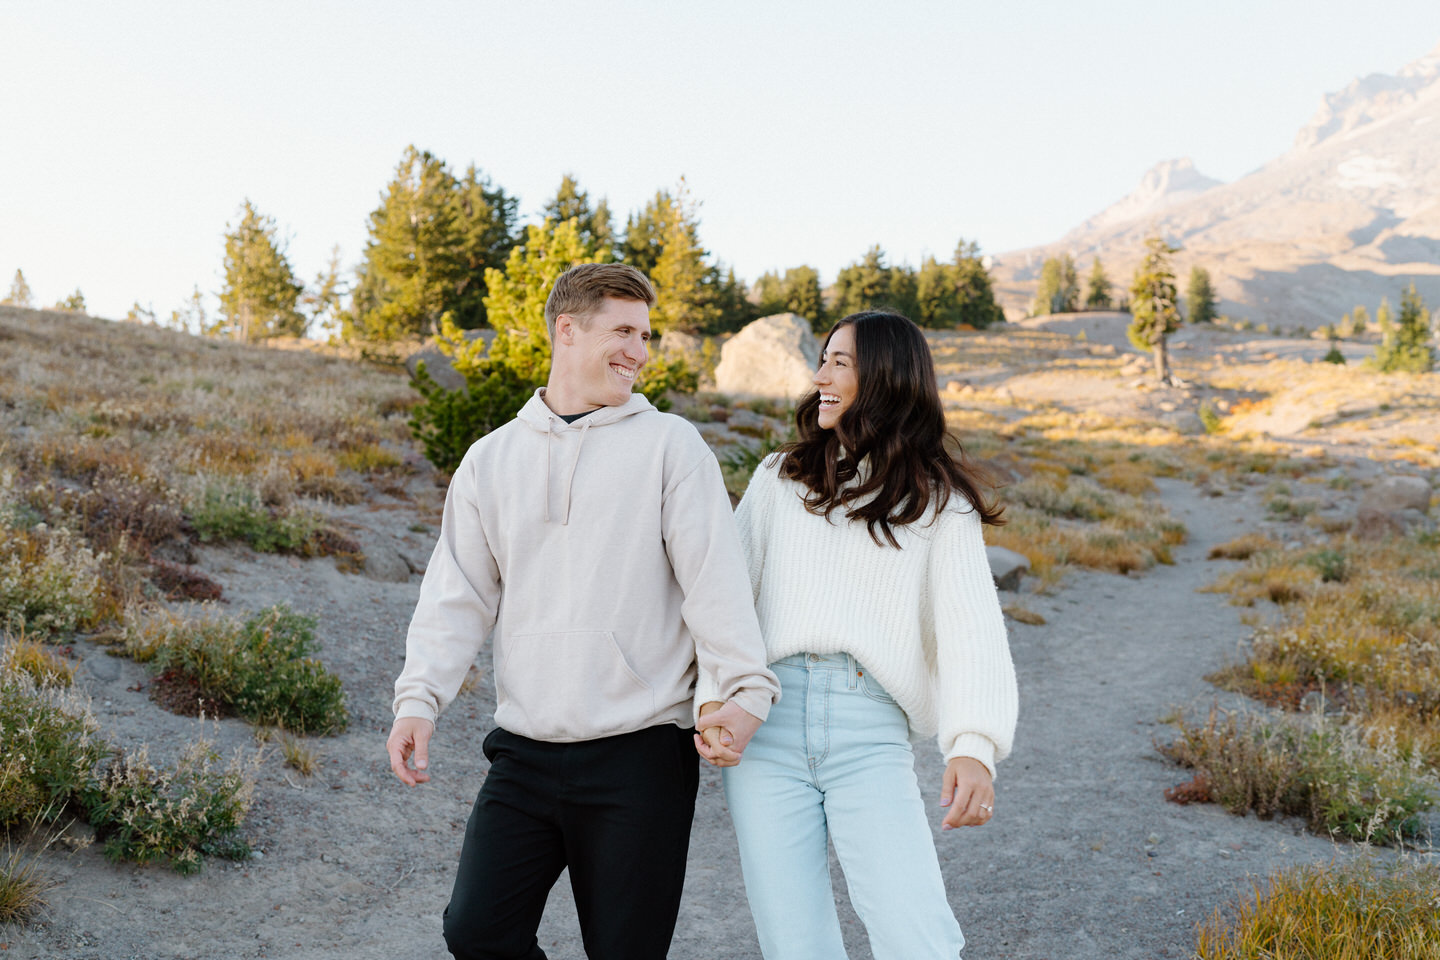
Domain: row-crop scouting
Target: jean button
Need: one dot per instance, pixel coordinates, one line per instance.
(814, 658)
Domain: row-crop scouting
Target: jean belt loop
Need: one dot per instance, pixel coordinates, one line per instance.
(854, 671)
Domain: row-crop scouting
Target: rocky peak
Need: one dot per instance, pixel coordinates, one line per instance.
(1163, 185)
(1371, 98)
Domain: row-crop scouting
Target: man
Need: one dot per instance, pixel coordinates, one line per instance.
(594, 536)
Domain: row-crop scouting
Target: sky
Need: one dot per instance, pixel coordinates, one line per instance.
(131, 133)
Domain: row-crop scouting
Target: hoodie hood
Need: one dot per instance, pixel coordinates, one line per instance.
(536, 415)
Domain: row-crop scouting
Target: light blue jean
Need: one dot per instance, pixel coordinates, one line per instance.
(834, 759)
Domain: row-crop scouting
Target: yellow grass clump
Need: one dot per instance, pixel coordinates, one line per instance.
(1354, 911)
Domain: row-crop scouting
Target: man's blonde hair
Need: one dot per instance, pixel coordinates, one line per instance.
(582, 290)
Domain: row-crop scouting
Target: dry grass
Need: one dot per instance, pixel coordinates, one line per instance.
(1024, 615)
(1352, 911)
(299, 755)
(1243, 547)
(43, 665)
(22, 885)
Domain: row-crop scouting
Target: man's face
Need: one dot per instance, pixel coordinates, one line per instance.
(608, 352)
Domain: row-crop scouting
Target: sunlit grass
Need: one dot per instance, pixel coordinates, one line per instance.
(1354, 911)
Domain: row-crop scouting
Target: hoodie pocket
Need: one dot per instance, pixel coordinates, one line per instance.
(574, 685)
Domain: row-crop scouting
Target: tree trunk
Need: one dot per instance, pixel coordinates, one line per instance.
(1162, 360)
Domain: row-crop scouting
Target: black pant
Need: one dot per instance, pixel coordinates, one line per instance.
(616, 811)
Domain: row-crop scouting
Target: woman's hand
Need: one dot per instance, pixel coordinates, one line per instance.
(966, 789)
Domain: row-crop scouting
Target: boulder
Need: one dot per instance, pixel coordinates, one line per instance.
(774, 357)
(678, 342)
(1372, 524)
(1187, 423)
(382, 561)
(1398, 493)
(1007, 567)
(437, 365)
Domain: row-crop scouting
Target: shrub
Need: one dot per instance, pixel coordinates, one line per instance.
(447, 422)
(178, 816)
(49, 582)
(1313, 768)
(1344, 911)
(51, 747)
(665, 374)
(262, 669)
(231, 512)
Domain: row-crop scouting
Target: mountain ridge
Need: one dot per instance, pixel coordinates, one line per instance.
(1349, 214)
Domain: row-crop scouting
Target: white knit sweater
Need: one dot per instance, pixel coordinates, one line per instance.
(925, 620)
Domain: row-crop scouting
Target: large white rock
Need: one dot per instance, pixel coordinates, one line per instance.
(775, 356)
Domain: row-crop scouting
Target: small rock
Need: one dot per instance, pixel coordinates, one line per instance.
(1007, 567)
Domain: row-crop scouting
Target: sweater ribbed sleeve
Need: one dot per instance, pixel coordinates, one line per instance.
(976, 698)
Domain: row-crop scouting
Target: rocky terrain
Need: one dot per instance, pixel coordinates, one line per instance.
(1084, 859)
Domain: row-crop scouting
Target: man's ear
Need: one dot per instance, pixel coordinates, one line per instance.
(565, 329)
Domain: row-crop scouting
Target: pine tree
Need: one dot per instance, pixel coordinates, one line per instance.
(644, 233)
(260, 292)
(685, 285)
(935, 295)
(322, 300)
(1097, 288)
(597, 228)
(769, 294)
(485, 224)
(1152, 304)
(1359, 321)
(732, 301)
(19, 291)
(803, 296)
(1404, 343)
(975, 294)
(431, 241)
(1384, 317)
(797, 292)
(75, 303)
(190, 316)
(1059, 287)
(864, 285)
(1200, 296)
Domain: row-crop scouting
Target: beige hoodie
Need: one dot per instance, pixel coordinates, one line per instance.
(604, 556)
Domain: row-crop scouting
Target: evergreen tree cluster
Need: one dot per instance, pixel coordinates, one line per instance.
(1405, 340)
(940, 295)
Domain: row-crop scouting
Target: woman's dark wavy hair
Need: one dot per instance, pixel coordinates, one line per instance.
(915, 463)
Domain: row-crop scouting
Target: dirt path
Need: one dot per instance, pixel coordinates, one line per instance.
(1084, 859)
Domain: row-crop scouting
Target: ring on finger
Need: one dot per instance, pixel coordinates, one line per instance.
(987, 808)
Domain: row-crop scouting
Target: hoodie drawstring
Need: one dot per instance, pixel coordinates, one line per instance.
(570, 480)
(549, 436)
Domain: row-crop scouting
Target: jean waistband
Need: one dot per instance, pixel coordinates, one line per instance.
(820, 661)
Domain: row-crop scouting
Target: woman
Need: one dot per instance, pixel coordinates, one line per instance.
(881, 620)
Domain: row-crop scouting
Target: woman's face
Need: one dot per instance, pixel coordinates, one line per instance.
(838, 378)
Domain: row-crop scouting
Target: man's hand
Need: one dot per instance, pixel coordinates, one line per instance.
(724, 732)
(966, 789)
(410, 740)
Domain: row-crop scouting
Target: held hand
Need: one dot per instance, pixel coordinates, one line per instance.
(966, 789)
(714, 743)
(725, 730)
(410, 740)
